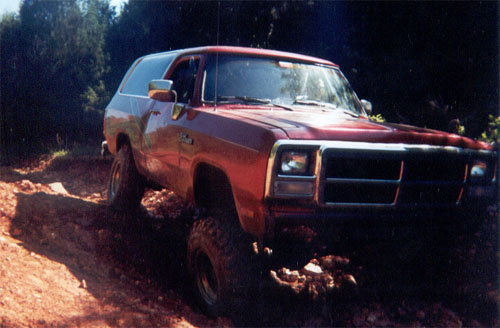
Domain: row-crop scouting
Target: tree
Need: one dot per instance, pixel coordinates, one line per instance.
(53, 63)
(10, 47)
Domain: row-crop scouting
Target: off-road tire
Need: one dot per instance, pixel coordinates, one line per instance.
(221, 266)
(125, 184)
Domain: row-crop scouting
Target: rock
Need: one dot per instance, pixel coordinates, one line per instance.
(267, 251)
(329, 282)
(349, 279)
(311, 269)
(332, 262)
(255, 248)
(314, 261)
(287, 275)
(26, 185)
(277, 279)
(59, 188)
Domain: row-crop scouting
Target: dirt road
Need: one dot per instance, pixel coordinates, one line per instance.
(66, 261)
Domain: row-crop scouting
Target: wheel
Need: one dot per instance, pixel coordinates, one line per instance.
(125, 185)
(220, 264)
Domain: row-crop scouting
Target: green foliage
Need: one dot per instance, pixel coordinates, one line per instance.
(461, 130)
(59, 153)
(96, 98)
(377, 118)
(53, 66)
(492, 134)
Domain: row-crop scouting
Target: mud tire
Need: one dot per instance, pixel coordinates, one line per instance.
(125, 184)
(221, 266)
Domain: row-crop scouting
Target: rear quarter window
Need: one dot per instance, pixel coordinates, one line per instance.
(147, 69)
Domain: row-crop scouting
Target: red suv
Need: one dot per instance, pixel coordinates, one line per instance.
(263, 139)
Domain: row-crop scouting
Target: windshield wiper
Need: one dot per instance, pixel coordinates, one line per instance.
(314, 103)
(282, 106)
(323, 104)
(306, 102)
(348, 112)
(245, 99)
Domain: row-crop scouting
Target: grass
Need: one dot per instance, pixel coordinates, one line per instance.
(28, 156)
(59, 153)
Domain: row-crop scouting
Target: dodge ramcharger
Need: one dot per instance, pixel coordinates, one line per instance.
(260, 139)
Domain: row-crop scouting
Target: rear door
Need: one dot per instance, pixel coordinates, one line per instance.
(133, 106)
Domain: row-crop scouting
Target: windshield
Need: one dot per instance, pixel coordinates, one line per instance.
(277, 82)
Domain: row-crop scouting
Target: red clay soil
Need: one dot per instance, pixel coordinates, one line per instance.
(66, 261)
(55, 270)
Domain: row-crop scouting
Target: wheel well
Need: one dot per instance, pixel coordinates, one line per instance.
(121, 140)
(212, 189)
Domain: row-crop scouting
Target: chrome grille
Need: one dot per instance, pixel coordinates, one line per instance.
(403, 179)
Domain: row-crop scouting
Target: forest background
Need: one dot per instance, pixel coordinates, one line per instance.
(421, 63)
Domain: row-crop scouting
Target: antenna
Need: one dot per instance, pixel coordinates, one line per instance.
(218, 20)
(217, 57)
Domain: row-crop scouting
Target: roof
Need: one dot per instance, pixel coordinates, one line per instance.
(252, 52)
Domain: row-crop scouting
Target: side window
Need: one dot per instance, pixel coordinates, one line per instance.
(147, 69)
(184, 78)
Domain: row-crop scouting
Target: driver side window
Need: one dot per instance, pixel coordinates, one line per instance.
(184, 78)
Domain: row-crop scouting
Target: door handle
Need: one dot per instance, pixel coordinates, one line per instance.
(155, 112)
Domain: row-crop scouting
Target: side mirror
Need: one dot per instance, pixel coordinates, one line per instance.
(367, 105)
(161, 90)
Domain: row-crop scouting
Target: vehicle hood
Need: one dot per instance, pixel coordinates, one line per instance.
(340, 126)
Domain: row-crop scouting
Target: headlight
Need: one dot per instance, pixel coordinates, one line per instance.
(294, 162)
(478, 170)
(482, 175)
